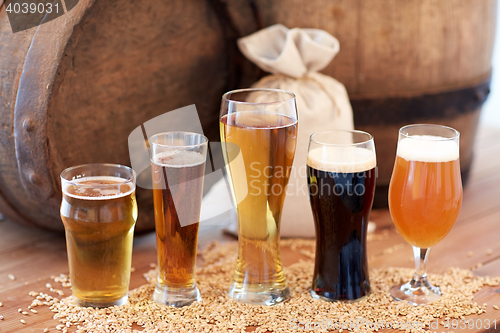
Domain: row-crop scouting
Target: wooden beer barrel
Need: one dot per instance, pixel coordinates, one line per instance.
(74, 88)
(403, 62)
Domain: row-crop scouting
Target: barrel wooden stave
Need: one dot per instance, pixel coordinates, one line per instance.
(13, 49)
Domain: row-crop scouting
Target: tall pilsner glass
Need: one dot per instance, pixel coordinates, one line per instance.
(425, 196)
(262, 125)
(178, 168)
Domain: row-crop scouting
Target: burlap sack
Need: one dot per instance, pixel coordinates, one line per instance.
(295, 56)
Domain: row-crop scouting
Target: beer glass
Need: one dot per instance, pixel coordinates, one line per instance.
(178, 168)
(262, 123)
(425, 196)
(99, 212)
(341, 178)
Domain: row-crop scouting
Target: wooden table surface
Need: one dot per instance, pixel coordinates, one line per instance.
(32, 255)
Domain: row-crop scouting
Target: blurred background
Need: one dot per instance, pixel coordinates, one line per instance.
(491, 109)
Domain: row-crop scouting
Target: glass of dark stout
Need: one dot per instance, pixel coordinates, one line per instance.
(99, 211)
(341, 169)
(178, 168)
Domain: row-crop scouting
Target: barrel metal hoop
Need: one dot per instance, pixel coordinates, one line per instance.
(398, 110)
(32, 101)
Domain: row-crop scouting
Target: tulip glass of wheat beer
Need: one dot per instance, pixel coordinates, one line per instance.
(178, 168)
(99, 211)
(341, 178)
(425, 196)
(262, 125)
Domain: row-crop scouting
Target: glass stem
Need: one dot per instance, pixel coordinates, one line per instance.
(420, 276)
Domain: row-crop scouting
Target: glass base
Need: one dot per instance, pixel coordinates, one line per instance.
(323, 298)
(416, 295)
(258, 294)
(176, 297)
(96, 304)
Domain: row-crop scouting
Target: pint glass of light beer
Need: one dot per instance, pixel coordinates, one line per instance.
(341, 174)
(258, 129)
(425, 196)
(178, 168)
(99, 212)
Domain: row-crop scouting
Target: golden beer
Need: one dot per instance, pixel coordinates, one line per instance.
(267, 144)
(99, 215)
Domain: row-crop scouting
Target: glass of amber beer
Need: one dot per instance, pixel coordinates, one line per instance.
(261, 124)
(99, 211)
(425, 196)
(341, 178)
(178, 168)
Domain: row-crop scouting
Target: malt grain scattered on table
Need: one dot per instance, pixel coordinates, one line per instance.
(217, 312)
(23, 321)
(11, 276)
(1, 317)
(1, 304)
(489, 252)
(496, 307)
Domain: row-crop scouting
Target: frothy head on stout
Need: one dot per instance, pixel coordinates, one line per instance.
(428, 148)
(341, 159)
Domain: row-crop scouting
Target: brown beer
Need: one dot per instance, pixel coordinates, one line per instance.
(258, 180)
(177, 192)
(99, 214)
(341, 194)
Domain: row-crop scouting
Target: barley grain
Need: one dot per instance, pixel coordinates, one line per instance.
(217, 312)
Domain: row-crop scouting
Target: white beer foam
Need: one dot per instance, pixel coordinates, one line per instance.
(428, 148)
(178, 159)
(259, 120)
(105, 193)
(341, 159)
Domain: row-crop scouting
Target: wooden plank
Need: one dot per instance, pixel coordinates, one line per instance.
(14, 236)
(477, 237)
